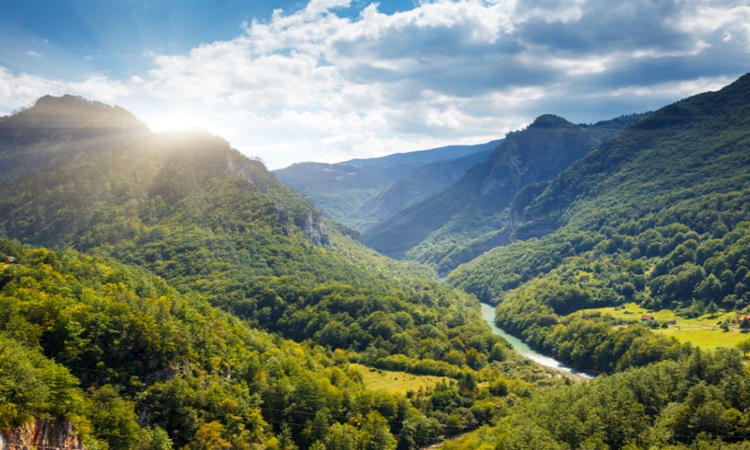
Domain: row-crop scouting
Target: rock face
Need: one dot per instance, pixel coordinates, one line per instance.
(315, 230)
(41, 434)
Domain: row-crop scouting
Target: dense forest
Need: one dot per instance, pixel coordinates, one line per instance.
(135, 364)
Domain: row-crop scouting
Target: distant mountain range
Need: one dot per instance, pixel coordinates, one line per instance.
(446, 206)
(361, 193)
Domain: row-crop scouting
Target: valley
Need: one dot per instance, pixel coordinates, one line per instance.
(163, 290)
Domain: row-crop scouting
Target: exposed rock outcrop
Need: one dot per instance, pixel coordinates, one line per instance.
(41, 434)
(315, 230)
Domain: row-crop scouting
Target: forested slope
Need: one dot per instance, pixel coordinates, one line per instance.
(657, 215)
(190, 300)
(698, 402)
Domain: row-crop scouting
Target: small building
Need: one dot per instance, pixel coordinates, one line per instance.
(585, 278)
(647, 318)
(10, 260)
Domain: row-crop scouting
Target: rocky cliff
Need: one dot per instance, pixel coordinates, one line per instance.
(41, 434)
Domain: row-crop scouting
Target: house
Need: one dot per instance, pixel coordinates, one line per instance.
(646, 318)
(10, 260)
(585, 278)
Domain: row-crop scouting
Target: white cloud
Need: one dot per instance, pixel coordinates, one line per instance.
(672, 89)
(316, 7)
(100, 88)
(316, 85)
(21, 90)
(34, 54)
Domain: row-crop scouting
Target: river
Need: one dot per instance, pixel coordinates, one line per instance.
(488, 314)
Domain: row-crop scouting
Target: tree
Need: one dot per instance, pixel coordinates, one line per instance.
(113, 418)
(376, 434)
(209, 437)
(155, 438)
(343, 437)
(744, 347)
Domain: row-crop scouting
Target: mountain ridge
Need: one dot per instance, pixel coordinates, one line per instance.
(473, 215)
(657, 216)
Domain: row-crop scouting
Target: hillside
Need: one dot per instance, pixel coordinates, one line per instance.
(474, 214)
(656, 215)
(363, 192)
(168, 292)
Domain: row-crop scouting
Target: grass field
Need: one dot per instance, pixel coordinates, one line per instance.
(703, 331)
(396, 382)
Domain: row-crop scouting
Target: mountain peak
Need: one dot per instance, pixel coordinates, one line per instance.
(549, 121)
(70, 111)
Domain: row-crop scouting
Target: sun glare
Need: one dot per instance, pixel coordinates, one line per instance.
(174, 122)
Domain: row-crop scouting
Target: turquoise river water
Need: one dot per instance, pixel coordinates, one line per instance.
(488, 314)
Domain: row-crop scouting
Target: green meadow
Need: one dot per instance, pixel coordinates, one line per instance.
(396, 382)
(704, 331)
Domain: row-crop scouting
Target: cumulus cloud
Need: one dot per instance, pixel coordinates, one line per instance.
(20, 90)
(317, 85)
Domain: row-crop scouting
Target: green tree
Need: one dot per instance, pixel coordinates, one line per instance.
(375, 434)
(341, 437)
(113, 418)
(744, 346)
(209, 437)
(156, 438)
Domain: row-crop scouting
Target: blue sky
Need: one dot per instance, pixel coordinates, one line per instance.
(330, 80)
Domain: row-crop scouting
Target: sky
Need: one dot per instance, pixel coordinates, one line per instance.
(330, 80)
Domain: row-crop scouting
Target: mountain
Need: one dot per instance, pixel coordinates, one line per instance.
(165, 291)
(363, 192)
(655, 219)
(411, 160)
(417, 186)
(57, 130)
(656, 215)
(475, 213)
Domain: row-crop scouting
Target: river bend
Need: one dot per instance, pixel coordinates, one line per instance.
(488, 314)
